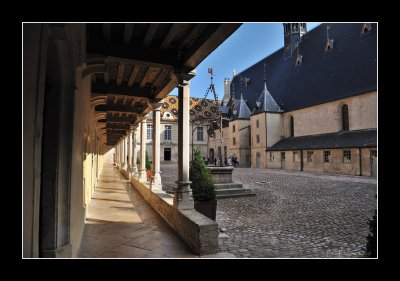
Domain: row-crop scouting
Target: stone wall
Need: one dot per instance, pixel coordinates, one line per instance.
(335, 165)
(242, 135)
(78, 166)
(198, 231)
(327, 118)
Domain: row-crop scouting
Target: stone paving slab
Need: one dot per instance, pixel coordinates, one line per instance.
(294, 215)
(120, 224)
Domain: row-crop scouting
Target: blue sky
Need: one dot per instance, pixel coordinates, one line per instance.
(247, 45)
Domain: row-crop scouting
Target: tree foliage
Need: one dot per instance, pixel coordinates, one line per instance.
(202, 186)
(148, 164)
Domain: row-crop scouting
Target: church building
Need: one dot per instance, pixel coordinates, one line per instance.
(309, 106)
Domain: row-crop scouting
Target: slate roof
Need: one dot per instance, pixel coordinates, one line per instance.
(342, 139)
(349, 68)
(243, 111)
(267, 102)
(199, 108)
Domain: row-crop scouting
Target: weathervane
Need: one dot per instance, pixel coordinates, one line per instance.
(215, 122)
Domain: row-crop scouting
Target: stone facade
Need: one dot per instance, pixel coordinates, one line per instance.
(286, 112)
(316, 163)
(323, 118)
(326, 118)
(239, 138)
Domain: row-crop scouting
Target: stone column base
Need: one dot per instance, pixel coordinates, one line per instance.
(183, 199)
(143, 176)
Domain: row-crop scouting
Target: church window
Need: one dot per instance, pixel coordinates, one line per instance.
(299, 60)
(291, 126)
(346, 156)
(327, 153)
(149, 131)
(329, 45)
(345, 117)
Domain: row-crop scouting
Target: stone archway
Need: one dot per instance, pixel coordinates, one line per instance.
(58, 102)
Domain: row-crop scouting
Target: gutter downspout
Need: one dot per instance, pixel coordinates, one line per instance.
(359, 155)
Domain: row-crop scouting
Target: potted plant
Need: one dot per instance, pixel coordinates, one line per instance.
(148, 168)
(203, 189)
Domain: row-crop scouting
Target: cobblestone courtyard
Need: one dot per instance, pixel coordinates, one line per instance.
(294, 215)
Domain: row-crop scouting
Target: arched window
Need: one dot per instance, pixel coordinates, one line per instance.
(291, 126)
(345, 117)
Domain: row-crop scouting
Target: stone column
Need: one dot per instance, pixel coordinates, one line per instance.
(126, 153)
(142, 169)
(120, 154)
(156, 184)
(134, 156)
(182, 198)
(129, 153)
(116, 155)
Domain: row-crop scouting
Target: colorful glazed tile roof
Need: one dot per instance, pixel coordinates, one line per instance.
(200, 109)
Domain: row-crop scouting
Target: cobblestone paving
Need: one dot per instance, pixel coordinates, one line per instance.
(300, 215)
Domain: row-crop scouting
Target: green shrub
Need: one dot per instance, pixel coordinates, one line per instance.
(148, 164)
(202, 186)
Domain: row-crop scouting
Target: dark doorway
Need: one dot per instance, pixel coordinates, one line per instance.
(374, 161)
(211, 155)
(167, 154)
(283, 158)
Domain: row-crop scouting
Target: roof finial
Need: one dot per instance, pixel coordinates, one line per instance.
(265, 74)
(233, 73)
(298, 47)
(327, 32)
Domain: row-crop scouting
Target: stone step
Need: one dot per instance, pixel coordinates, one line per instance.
(234, 192)
(225, 196)
(232, 185)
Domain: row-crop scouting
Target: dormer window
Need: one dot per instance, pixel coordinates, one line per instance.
(366, 28)
(299, 60)
(329, 45)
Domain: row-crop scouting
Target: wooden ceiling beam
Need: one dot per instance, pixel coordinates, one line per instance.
(134, 72)
(121, 68)
(150, 34)
(99, 88)
(148, 56)
(212, 36)
(145, 78)
(107, 31)
(128, 31)
(137, 109)
(175, 31)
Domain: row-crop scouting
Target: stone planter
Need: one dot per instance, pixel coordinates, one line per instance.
(207, 208)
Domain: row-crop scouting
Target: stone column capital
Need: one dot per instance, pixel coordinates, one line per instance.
(157, 106)
(184, 75)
